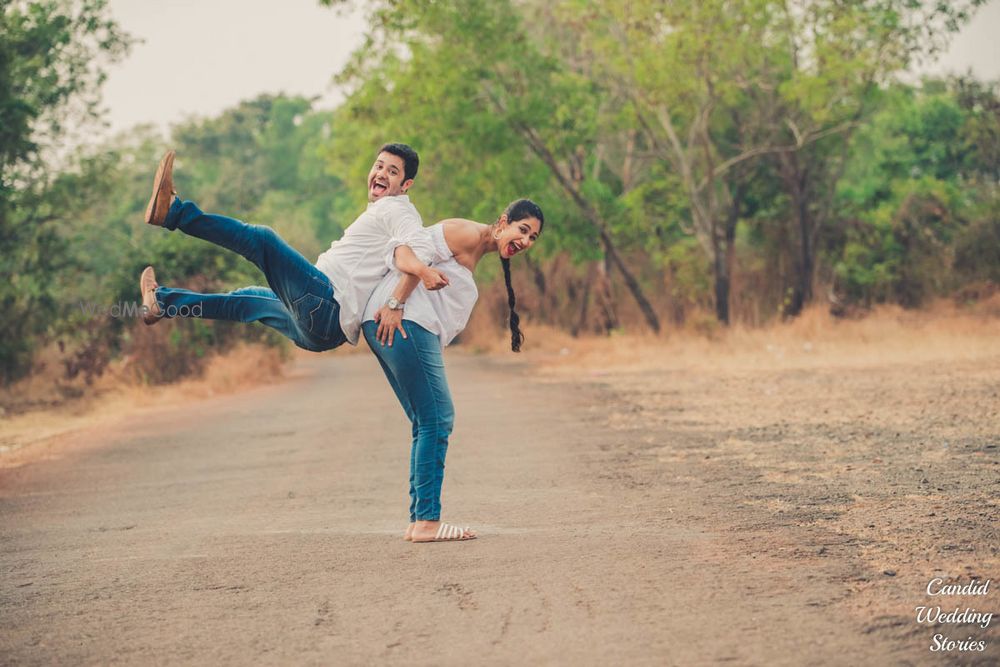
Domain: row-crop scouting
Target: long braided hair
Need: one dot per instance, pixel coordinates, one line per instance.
(517, 210)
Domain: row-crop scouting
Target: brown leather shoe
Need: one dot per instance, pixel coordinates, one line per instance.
(163, 191)
(151, 312)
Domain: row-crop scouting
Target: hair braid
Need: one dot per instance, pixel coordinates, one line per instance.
(517, 210)
(516, 337)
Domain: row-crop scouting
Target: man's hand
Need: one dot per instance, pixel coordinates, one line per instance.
(432, 278)
(389, 321)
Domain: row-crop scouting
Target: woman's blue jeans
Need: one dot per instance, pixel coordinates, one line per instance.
(414, 367)
(299, 303)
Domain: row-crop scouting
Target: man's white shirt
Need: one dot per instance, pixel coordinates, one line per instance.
(357, 262)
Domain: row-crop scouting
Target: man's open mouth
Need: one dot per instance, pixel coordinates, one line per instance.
(379, 189)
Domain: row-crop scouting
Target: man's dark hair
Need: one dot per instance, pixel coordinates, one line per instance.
(411, 161)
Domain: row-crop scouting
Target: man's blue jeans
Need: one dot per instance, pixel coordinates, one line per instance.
(414, 367)
(299, 303)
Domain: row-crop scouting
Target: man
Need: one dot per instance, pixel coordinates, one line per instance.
(318, 307)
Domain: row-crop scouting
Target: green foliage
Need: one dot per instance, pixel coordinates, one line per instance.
(977, 249)
(920, 198)
(425, 78)
(648, 123)
(684, 141)
(260, 161)
(898, 251)
(690, 275)
(52, 55)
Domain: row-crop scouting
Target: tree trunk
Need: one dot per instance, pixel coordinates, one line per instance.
(732, 219)
(537, 273)
(605, 299)
(630, 281)
(581, 320)
(720, 269)
(724, 258)
(796, 183)
(807, 258)
(592, 215)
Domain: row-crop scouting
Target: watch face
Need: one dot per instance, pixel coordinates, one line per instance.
(393, 303)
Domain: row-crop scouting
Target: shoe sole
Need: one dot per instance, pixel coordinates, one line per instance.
(166, 165)
(148, 317)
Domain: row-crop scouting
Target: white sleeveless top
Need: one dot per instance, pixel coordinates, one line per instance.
(445, 311)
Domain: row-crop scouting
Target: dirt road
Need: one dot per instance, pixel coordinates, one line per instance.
(634, 517)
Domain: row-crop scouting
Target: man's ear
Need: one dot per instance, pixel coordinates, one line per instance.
(406, 185)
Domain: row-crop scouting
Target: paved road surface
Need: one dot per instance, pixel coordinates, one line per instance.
(265, 528)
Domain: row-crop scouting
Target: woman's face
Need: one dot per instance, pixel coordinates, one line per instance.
(517, 236)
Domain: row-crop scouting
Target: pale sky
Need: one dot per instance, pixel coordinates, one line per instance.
(199, 57)
(977, 46)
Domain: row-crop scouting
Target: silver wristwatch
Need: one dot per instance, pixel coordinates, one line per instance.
(394, 304)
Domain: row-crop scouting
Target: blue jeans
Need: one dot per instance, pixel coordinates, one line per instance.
(414, 367)
(299, 303)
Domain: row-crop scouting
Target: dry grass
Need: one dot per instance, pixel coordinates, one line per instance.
(944, 332)
(116, 394)
(889, 334)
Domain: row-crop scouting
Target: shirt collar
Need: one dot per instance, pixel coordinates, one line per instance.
(402, 198)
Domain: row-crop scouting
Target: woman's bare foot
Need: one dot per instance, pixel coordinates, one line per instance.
(437, 531)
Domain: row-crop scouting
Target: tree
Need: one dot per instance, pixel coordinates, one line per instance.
(718, 85)
(259, 160)
(919, 197)
(843, 55)
(501, 112)
(52, 55)
(689, 71)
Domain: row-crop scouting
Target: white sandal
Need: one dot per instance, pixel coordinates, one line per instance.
(448, 533)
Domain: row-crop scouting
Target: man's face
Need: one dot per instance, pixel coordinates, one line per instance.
(386, 177)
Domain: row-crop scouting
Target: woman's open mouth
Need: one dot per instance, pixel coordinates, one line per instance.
(512, 249)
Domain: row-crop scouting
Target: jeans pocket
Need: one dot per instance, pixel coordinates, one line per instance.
(313, 314)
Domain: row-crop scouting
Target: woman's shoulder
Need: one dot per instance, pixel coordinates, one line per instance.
(460, 234)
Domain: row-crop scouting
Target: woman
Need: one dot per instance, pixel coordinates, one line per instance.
(413, 363)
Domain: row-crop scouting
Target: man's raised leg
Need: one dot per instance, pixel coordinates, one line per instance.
(288, 273)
